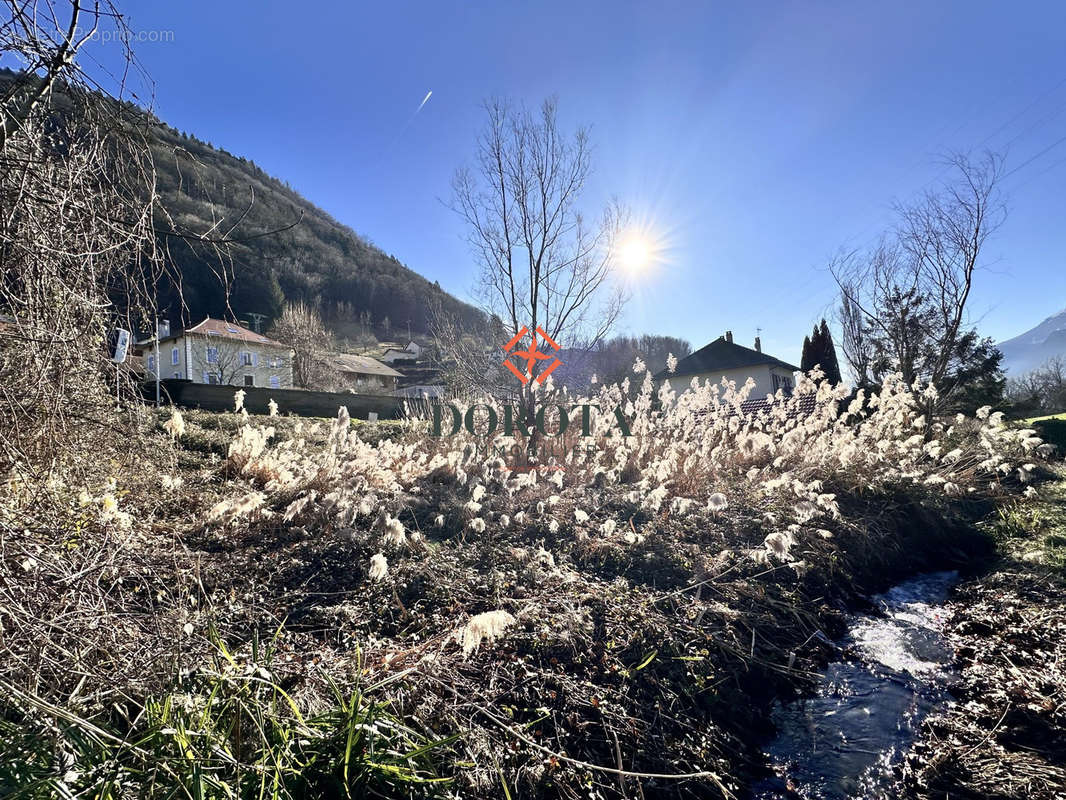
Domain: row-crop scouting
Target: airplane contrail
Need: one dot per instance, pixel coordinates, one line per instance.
(410, 119)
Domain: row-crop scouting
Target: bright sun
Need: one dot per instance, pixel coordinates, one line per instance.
(635, 253)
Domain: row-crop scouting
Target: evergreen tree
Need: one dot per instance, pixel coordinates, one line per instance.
(975, 377)
(819, 351)
(830, 364)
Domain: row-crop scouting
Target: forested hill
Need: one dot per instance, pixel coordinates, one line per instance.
(317, 259)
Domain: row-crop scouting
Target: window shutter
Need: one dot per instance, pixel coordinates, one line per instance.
(255, 359)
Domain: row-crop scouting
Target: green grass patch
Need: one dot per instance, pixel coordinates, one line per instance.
(226, 730)
(1035, 531)
(1031, 420)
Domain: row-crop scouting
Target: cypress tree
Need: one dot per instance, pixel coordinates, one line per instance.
(807, 359)
(819, 351)
(830, 365)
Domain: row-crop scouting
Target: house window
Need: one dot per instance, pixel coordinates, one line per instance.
(212, 355)
(275, 382)
(246, 358)
(777, 382)
(175, 356)
(211, 377)
(151, 364)
(249, 380)
(177, 375)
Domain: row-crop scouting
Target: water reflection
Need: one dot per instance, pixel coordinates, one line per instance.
(844, 741)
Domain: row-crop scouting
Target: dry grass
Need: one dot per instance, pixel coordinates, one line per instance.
(642, 611)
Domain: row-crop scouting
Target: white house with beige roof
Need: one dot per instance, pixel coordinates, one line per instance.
(220, 352)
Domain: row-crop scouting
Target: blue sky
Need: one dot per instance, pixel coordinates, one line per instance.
(757, 138)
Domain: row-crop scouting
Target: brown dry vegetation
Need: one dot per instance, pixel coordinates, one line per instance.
(632, 663)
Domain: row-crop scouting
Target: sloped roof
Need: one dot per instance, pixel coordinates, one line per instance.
(719, 356)
(804, 406)
(363, 365)
(227, 330)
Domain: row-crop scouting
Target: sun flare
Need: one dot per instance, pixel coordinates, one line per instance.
(635, 253)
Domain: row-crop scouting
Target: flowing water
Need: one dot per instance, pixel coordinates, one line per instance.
(845, 740)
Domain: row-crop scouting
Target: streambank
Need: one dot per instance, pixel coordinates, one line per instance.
(1004, 735)
(847, 739)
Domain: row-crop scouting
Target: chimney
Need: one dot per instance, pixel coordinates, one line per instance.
(758, 345)
(729, 336)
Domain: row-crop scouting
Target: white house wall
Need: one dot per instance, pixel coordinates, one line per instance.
(192, 361)
(762, 374)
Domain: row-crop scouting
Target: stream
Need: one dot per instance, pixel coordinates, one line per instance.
(845, 741)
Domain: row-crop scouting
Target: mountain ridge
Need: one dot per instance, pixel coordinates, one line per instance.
(1029, 350)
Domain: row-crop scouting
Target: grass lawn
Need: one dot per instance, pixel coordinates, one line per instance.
(1061, 416)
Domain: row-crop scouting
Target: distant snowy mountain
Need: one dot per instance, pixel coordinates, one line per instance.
(1028, 351)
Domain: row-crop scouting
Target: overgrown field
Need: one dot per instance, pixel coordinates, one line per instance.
(252, 606)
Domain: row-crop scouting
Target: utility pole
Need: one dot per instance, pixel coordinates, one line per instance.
(157, 370)
(257, 321)
(162, 328)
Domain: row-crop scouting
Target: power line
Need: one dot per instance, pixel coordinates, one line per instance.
(1022, 113)
(1028, 161)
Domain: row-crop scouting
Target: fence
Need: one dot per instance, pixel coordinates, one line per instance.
(213, 397)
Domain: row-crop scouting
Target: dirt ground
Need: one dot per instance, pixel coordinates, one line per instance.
(1005, 734)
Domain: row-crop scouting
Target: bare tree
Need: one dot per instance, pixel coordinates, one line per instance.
(472, 361)
(220, 358)
(46, 37)
(79, 253)
(301, 328)
(904, 303)
(542, 263)
(854, 341)
(365, 320)
(1042, 389)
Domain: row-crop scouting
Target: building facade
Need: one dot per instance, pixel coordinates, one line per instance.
(365, 375)
(219, 352)
(724, 359)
